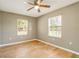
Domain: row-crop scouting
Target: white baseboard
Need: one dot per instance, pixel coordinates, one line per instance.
(14, 43)
(4, 45)
(59, 47)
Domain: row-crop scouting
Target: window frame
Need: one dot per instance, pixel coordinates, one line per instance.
(26, 27)
(52, 36)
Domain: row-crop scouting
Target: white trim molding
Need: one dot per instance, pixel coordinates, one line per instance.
(59, 47)
(14, 43)
(4, 45)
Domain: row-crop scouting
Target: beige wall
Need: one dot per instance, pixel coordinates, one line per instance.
(70, 20)
(0, 30)
(9, 27)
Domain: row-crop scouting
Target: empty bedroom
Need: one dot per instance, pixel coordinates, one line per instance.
(39, 28)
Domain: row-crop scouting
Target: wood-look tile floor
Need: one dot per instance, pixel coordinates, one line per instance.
(34, 49)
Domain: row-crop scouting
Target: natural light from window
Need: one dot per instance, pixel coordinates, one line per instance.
(55, 26)
(22, 27)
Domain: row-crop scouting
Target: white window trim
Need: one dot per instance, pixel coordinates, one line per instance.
(49, 27)
(27, 28)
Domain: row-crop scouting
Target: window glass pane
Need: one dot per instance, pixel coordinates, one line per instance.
(55, 26)
(22, 27)
(58, 21)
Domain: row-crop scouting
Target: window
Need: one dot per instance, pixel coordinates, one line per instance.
(55, 26)
(22, 27)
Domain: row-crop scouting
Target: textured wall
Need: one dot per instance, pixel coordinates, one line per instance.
(70, 31)
(9, 27)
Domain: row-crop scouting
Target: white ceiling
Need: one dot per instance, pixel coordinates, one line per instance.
(18, 6)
